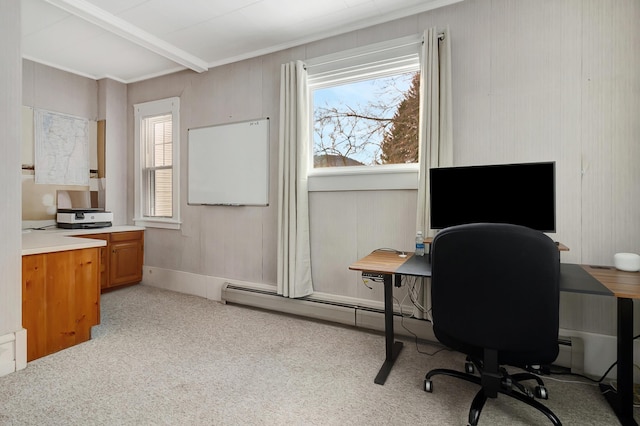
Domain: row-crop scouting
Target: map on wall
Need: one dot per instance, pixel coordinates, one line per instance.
(61, 148)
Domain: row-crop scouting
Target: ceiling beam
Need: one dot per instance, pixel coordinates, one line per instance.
(126, 30)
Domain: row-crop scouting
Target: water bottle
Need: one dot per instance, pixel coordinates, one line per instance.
(419, 244)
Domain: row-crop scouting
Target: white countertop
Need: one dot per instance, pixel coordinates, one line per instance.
(58, 239)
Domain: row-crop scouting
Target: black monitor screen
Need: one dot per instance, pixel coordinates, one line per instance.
(521, 194)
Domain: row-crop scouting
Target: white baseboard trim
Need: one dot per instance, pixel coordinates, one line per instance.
(587, 353)
(183, 282)
(355, 314)
(13, 352)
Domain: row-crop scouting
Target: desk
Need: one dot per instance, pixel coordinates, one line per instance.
(625, 286)
(385, 263)
(598, 280)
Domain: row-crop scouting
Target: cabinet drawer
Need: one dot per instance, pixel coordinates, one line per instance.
(126, 236)
(104, 237)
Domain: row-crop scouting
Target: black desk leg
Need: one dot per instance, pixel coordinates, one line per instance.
(392, 348)
(622, 400)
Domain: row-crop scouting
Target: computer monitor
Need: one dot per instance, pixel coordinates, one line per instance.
(521, 194)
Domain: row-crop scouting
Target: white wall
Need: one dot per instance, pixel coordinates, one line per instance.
(112, 107)
(12, 336)
(558, 80)
(47, 88)
(532, 81)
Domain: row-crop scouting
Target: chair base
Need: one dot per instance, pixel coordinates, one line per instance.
(509, 385)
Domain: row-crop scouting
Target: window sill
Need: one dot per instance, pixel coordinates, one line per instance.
(361, 178)
(157, 223)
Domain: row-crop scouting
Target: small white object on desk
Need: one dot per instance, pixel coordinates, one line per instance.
(627, 262)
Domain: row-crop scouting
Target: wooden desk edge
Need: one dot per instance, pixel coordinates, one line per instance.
(380, 261)
(621, 283)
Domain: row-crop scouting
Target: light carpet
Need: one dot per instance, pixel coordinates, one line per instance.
(165, 358)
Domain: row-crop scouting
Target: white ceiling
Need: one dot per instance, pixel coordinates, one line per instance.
(132, 40)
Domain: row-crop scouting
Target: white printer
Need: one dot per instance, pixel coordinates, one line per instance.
(79, 210)
(83, 218)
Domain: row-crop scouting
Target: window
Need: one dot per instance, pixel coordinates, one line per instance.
(157, 202)
(366, 123)
(365, 109)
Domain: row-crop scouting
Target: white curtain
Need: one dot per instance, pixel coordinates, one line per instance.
(435, 134)
(294, 252)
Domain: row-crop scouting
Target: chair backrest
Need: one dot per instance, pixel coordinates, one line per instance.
(496, 286)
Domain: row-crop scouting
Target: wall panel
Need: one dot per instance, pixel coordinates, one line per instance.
(334, 240)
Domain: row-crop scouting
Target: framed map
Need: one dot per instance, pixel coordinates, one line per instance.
(61, 148)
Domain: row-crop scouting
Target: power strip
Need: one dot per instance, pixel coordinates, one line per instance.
(372, 276)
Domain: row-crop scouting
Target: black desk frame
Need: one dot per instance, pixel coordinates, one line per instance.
(415, 266)
(392, 347)
(621, 401)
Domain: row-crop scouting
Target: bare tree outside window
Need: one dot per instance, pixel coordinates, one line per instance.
(370, 122)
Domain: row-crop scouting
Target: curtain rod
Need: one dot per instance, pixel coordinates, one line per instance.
(440, 37)
(366, 50)
(406, 41)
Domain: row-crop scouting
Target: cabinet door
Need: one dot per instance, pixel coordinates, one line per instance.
(60, 299)
(104, 258)
(73, 297)
(34, 305)
(127, 252)
(86, 294)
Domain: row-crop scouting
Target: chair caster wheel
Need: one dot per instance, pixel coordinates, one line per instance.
(469, 368)
(541, 392)
(474, 416)
(428, 385)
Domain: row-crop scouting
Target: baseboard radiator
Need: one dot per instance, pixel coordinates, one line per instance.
(571, 354)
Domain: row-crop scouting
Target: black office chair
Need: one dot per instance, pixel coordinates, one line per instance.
(495, 298)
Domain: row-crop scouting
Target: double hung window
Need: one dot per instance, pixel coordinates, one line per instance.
(157, 139)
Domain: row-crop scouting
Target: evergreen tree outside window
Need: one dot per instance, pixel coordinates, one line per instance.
(367, 114)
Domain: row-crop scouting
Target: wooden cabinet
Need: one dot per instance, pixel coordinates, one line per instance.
(104, 258)
(126, 258)
(122, 258)
(60, 299)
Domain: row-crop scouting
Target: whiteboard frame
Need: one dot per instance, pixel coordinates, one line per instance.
(210, 177)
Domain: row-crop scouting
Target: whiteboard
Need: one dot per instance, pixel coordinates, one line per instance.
(228, 164)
